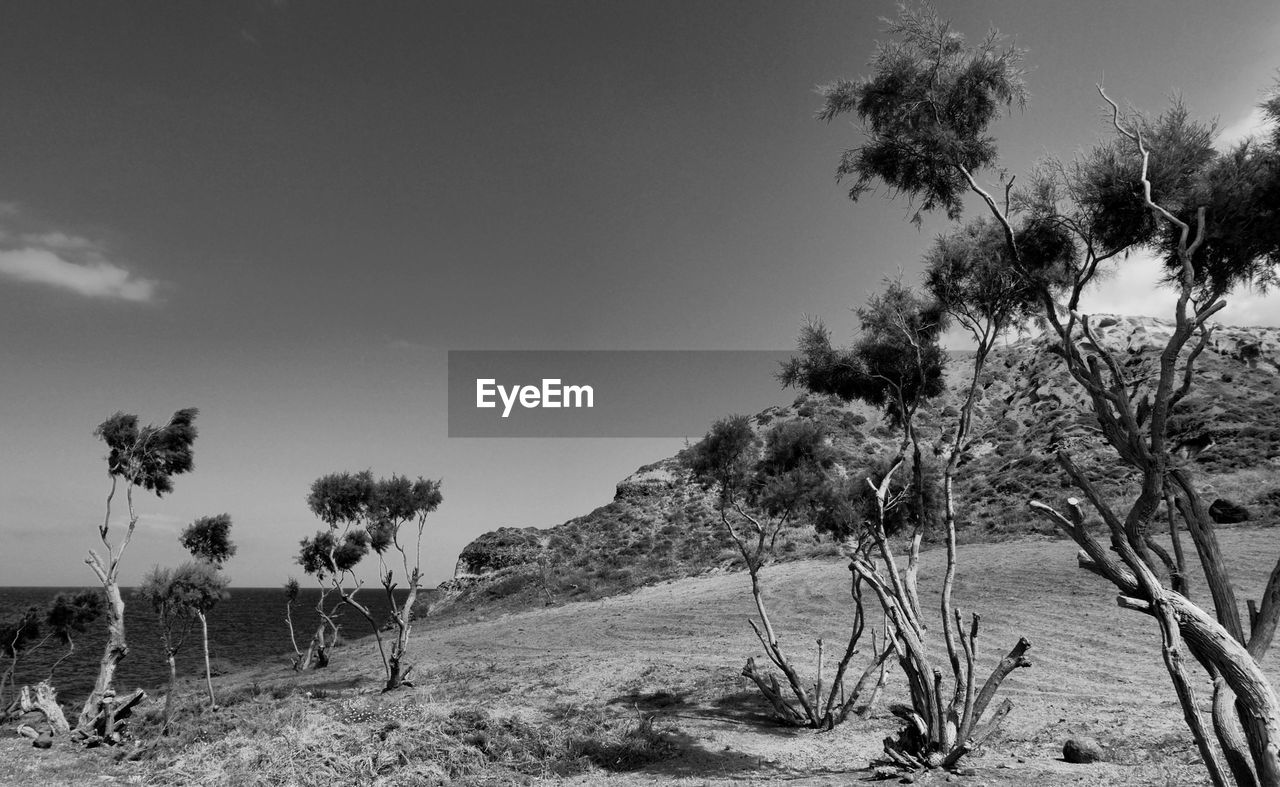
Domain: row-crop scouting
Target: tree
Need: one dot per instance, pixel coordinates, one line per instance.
(178, 596)
(66, 615)
(291, 591)
(145, 458)
(761, 487)
(208, 539)
(1158, 185)
(897, 364)
(395, 503)
(342, 501)
(18, 637)
(363, 514)
(69, 614)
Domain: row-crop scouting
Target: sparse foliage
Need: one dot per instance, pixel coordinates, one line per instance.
(762, 486)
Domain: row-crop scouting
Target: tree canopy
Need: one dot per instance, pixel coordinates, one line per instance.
(209, 538)
(894, 363)
(926, 109)
(149, 456)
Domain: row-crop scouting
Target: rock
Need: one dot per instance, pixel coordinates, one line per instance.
(1225, 512)
(45, 741)
(1082, 750)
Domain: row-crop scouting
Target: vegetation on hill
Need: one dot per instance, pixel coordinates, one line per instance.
(661, 525)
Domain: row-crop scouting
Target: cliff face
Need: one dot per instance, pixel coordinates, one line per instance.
(660, 525)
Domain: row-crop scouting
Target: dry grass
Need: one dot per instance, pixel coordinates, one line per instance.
(279, 737)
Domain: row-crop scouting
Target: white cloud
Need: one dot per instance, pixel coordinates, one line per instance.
(1132, 288)
(1250, 125)
(93, 278)
(59, 240)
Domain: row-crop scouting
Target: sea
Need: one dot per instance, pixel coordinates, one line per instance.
(244, 630)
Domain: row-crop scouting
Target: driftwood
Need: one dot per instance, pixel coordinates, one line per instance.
(108, 724)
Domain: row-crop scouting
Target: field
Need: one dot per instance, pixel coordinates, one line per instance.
(649, 683)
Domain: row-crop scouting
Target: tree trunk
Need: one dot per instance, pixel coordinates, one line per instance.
(115, 652)
(395, 672)
(394, 676)
(168, 697)
(46, 701)
(299, 661)
(208, 673)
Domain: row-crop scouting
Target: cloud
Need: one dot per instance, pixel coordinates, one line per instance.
(95, 277)
(1133, 288)
(60, 240)
(161, 523)
(1250, 125)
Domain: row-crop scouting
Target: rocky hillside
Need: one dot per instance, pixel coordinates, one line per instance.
(661, 526)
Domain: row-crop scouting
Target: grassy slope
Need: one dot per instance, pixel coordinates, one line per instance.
(579, 679)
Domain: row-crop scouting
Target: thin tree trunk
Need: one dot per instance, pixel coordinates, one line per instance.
(208, 673)
(298, 662)
(173, 688)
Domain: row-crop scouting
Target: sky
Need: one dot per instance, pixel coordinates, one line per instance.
(287, 214)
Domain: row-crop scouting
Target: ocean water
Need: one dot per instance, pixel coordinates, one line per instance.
(246, 629)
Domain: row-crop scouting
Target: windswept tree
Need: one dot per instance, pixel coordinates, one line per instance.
(897, 364)
(65, 616)
(1159, 186)
(343, 502)
(19, 636)
(177, 596)
(145, 458)
(761, 487)
(330, 559)
(208, 539)
(398, 505)
(362, 514)
(68, 615)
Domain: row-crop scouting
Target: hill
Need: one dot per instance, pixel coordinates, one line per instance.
(661, 526)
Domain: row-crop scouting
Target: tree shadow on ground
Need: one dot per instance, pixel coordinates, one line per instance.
(745, 707)
(651, 701)
(690, 758)
(748, 707)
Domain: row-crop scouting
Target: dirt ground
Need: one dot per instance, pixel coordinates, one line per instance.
(675, 651)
